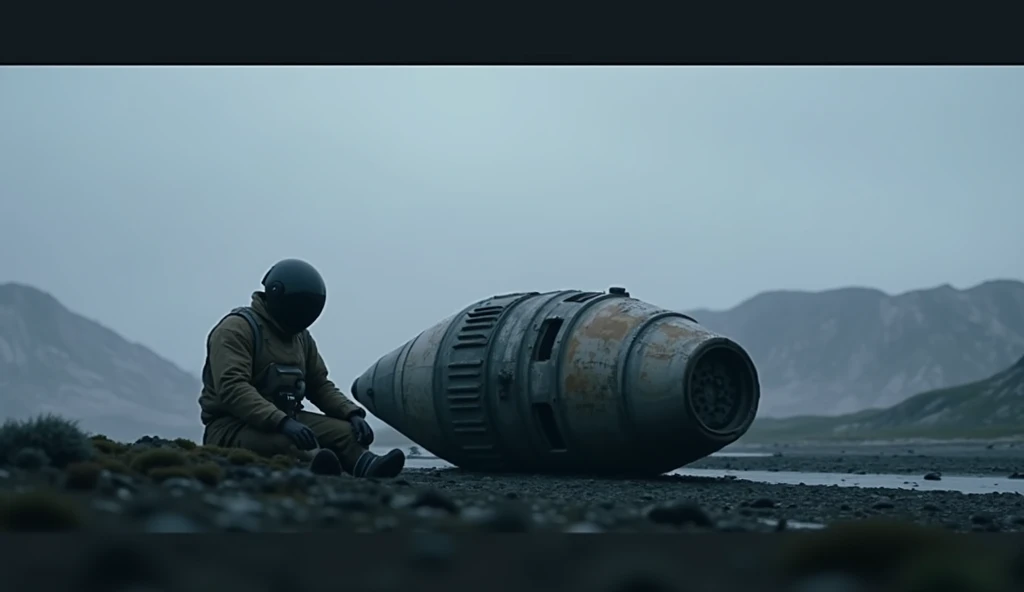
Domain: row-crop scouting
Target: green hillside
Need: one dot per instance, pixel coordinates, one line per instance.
(989, 408)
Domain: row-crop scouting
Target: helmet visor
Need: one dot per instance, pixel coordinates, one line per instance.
(296, 312)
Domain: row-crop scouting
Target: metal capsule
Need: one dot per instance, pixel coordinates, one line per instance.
(565, 382)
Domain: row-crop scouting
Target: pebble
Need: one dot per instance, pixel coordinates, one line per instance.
(507, 518)
(433, 549)
(329, 517)
(475, 514)
(584, 528)
(243, 473)
(350, 502)
(432, 498)
(428, 512)
(400, 501)
(170, 523)
(385, 523)
(182, 484)
(292, 510)
(241, 505)
(300, 478)
(828, 582)
(679, 513)
(231, 522)
(107, 506)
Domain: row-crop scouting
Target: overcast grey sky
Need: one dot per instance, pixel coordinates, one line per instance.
(154, 199)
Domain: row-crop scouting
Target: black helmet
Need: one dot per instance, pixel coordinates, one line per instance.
(295, 294)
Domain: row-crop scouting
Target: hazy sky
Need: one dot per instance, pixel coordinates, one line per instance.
(154, 199)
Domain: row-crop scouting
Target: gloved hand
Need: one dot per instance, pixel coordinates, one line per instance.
(299, 433)
(361, 430)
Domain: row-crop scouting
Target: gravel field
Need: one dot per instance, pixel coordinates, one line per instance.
(157, 486)
(240, 492)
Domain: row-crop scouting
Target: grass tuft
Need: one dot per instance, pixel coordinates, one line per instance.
(161, 474)
(39, 511)
(105, 445)
(82, 476)
(869, 549)
(30, 459)
(156, 458)
(60, 439)
(208, 473)
(114, 465)
(239, 456)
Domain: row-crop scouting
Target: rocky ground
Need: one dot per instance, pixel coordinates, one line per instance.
(163, 486)
(159, 486)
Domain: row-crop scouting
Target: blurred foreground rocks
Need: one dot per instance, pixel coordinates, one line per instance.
(433, 526)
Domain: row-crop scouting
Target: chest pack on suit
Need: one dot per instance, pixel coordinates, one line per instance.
(284, 386)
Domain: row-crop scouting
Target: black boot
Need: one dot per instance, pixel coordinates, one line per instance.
(325, 462)
(386, 466)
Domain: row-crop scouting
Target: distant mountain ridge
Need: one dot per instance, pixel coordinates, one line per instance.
(849, 349)
(817, 354)
(54, 360)
(989, 408)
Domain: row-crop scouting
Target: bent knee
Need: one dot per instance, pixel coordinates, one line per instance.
(332, 430)
(266, 444)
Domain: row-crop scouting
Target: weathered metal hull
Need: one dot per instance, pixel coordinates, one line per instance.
(567, 382)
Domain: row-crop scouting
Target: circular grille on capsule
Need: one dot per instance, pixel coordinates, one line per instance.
(721, 388)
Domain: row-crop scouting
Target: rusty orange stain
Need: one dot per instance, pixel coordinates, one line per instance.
(592, 352)
(570, 350)
(612, 323)
(673, 331)
(608, 329)
(658, 351)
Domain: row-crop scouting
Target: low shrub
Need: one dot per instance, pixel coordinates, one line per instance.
(60, 439)
(82, 476)
(185, 444)
(208, 473)
(239, 456)
(160, 474)
(39, 511)
(30, 459)
(155, 458)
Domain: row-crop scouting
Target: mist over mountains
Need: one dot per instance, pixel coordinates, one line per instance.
(824, 353)
(986, 409)
(54, 360)
(845, 350)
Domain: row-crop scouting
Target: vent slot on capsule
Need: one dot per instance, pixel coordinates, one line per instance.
(546, 419)
(546, 339)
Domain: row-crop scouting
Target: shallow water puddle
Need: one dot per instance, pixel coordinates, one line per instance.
(792, 524)
(918, 483)
(912, 482)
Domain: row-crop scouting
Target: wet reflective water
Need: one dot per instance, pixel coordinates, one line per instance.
(948, 483)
